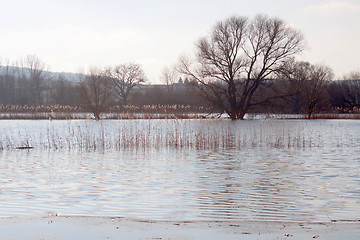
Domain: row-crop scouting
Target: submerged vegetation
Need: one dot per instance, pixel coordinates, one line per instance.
(162, 134)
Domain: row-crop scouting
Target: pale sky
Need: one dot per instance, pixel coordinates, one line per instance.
(70, 35)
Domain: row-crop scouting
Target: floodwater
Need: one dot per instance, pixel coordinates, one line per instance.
(261, 170)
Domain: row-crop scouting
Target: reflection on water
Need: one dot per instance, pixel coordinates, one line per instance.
(260, 183)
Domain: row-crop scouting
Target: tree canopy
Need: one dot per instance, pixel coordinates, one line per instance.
(238, 57)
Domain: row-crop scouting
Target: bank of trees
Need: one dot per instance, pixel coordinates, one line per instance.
(96, 91)
(24, 82)
(248, 65)
(304, 88)
(243, 66)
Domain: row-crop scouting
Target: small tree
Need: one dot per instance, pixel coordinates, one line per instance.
(37, 73)
(313, 81)
(95, 92)
(124, 78)
(64, 91)
(169, 76)
(7, 85)
(238, 58)
(350, 90)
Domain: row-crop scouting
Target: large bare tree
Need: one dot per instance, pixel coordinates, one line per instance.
(124, 78)
(95, 92)
(238, 57)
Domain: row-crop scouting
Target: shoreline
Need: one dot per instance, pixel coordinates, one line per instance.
(87, 227)
(169, 116)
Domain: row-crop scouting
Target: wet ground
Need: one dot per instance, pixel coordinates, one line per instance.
(74, 228)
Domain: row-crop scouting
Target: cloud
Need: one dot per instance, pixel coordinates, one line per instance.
(334, 7)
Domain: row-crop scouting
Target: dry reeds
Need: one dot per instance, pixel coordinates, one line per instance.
(335, 116)
(59, 112)
(160, 134)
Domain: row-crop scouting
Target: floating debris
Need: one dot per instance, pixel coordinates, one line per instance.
(22, 148)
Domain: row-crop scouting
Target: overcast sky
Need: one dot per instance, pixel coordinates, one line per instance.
(71, 35)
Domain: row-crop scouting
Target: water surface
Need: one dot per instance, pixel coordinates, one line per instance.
(182, 170)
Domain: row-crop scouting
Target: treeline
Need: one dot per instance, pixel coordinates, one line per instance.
(337, 96)
(245, 65)
(30, 83)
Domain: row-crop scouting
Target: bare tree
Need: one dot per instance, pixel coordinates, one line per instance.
(95, 92)
(313, 81)
(63, 91)
(238, 57)
(169, 76)
(7, 84)
(124, 78)
(350, 90)
(37, 73)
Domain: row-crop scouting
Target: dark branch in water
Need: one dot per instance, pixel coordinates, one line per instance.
(21, 148)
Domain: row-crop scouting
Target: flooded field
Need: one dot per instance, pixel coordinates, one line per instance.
(279, 170)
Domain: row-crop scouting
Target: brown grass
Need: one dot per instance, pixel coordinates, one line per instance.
(58, 112)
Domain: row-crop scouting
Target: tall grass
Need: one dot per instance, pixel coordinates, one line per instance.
(160, 134)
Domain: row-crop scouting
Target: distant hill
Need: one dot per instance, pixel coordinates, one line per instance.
(72, 77)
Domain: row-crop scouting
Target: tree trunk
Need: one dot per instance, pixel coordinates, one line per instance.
(97, 116)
